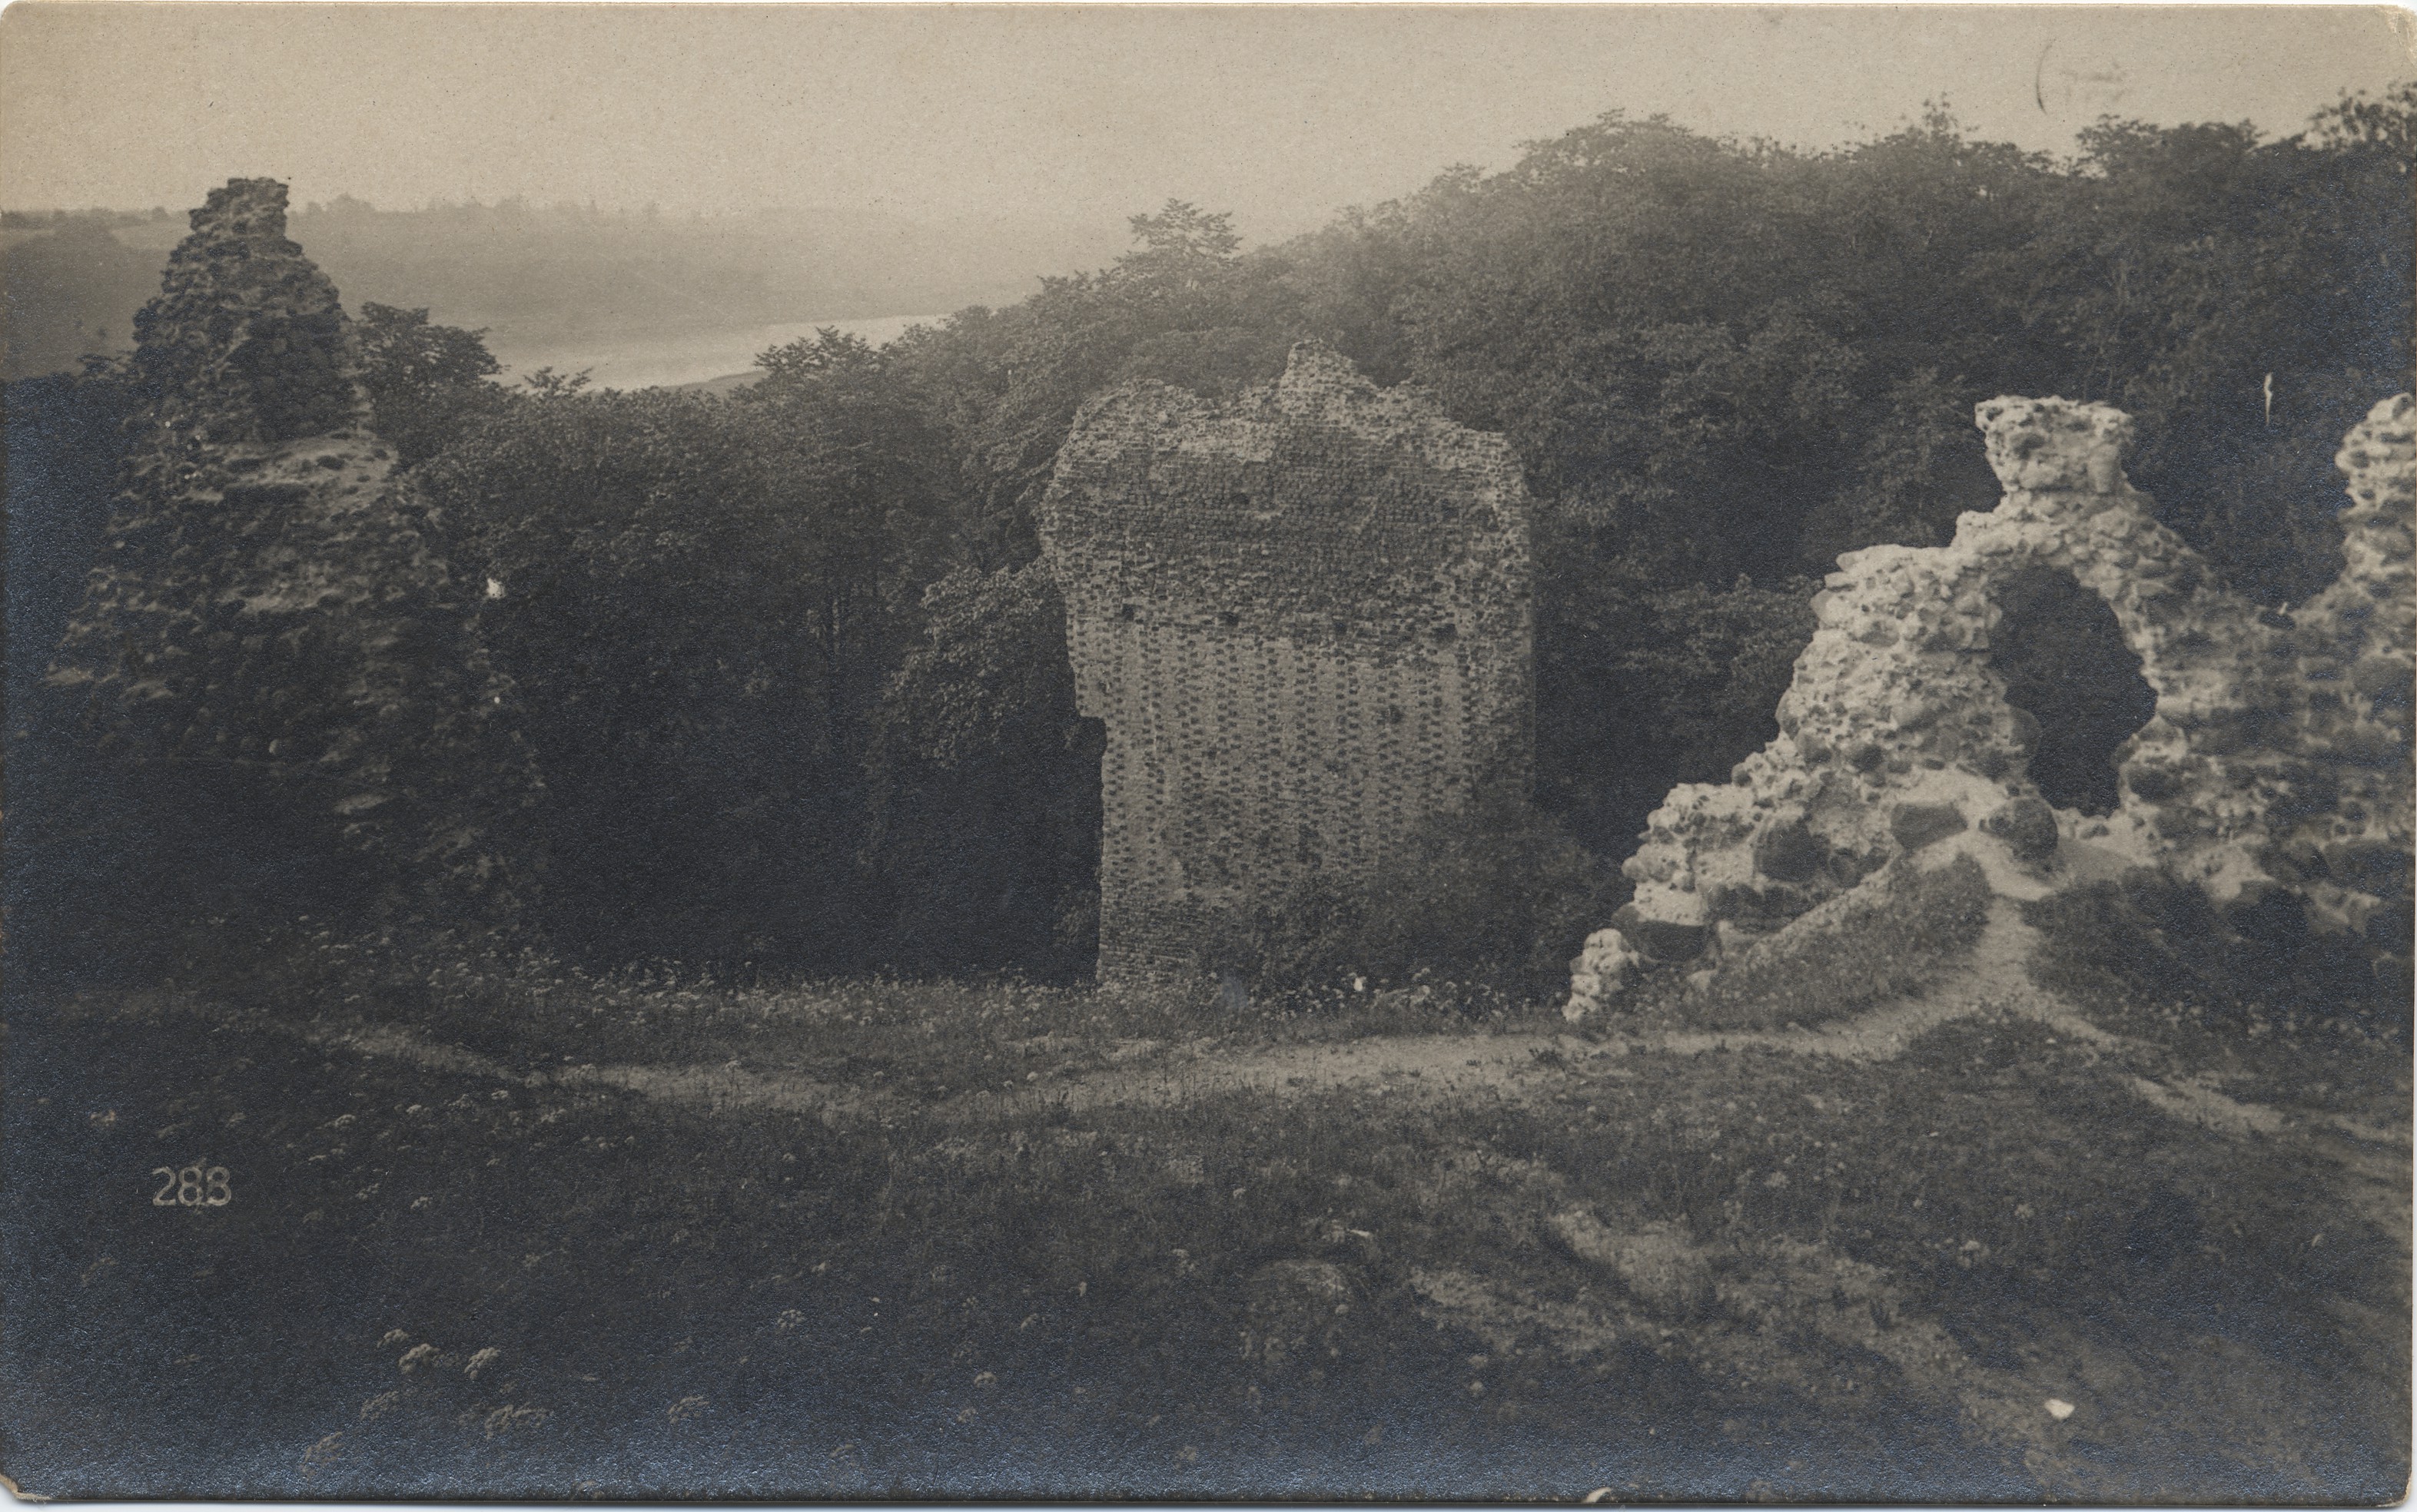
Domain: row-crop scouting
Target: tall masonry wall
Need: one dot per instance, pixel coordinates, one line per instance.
(1306, 618)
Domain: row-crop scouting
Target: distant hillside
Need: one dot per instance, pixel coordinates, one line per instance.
(538, 276)
(68, 292)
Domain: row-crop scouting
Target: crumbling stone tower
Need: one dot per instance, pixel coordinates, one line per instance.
(1305, 618)
(272, 633)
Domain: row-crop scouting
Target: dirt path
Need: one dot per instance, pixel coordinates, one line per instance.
(1425, 1064)
(1992, 981)
(2373, 1162)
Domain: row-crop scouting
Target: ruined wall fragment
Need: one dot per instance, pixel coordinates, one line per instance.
(1305, 619)
(2277, 756)
(2347, 849)
(271, 603)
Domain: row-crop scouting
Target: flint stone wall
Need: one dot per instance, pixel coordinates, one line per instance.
(1306, 618)
(2278, 756)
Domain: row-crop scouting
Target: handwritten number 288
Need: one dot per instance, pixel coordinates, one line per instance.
(192, 1187)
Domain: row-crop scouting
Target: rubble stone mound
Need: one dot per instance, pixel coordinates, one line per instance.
(1306, 618)
(2277, 756)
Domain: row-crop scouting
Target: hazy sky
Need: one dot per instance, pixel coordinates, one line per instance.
(1282, 116)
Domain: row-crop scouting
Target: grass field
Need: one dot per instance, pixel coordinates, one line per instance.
(552, 1234)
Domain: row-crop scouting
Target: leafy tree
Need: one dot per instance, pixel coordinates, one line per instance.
(986, 821)
(683, 620)
(700, 601)
(803, 690)
(401, 350)
(425, 382)
(1641, 685)
(2244, 301)
(1919, 466)
(1180, 308)
(2358, 124)
(1181, 253)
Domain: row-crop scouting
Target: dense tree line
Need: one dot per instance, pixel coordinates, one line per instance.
(798, 693)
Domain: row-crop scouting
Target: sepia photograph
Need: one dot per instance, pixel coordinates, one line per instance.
(1602, 753)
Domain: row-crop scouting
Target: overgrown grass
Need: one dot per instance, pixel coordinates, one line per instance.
(1497, 901)
(1681, 1277)
(527, 1009)
(1374, 1287)
(1876, 944)
(2261, 1001)
(2145, 938)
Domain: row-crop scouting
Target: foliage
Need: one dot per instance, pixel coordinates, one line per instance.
(798, 693)
(1642, 685)
(426, 383)
(1915, 471)
(2145, 943)
(2243, 301)
(74, 837)
(276, 700)
(1712, 343)
(1182, 251)
(2386, 128)
(1496, 899)
(1875, 947)
(985, 826)
(699, 601)
(1499, 895)
(1722, 363)
(1007, 384)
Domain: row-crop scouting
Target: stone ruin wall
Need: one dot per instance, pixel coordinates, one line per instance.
(269, 600)
(2277, 759)
(247, 341)
(1305, 619)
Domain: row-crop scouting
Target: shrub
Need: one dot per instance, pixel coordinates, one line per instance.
(1888, 942)
(1621, 651)
(1498, 898)
(2147, 940)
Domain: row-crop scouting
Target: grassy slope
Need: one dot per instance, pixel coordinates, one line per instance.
(1887, 941)
(1704, 1276)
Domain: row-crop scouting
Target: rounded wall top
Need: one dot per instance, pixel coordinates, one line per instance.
(2376, 455)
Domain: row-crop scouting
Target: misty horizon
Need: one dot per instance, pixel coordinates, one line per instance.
(1097, 113)
(760, 168)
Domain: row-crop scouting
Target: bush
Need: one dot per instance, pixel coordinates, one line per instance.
(1498, 898)
(2147, 941)
(1891, 942)
(1619, 652)
(426, 383)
